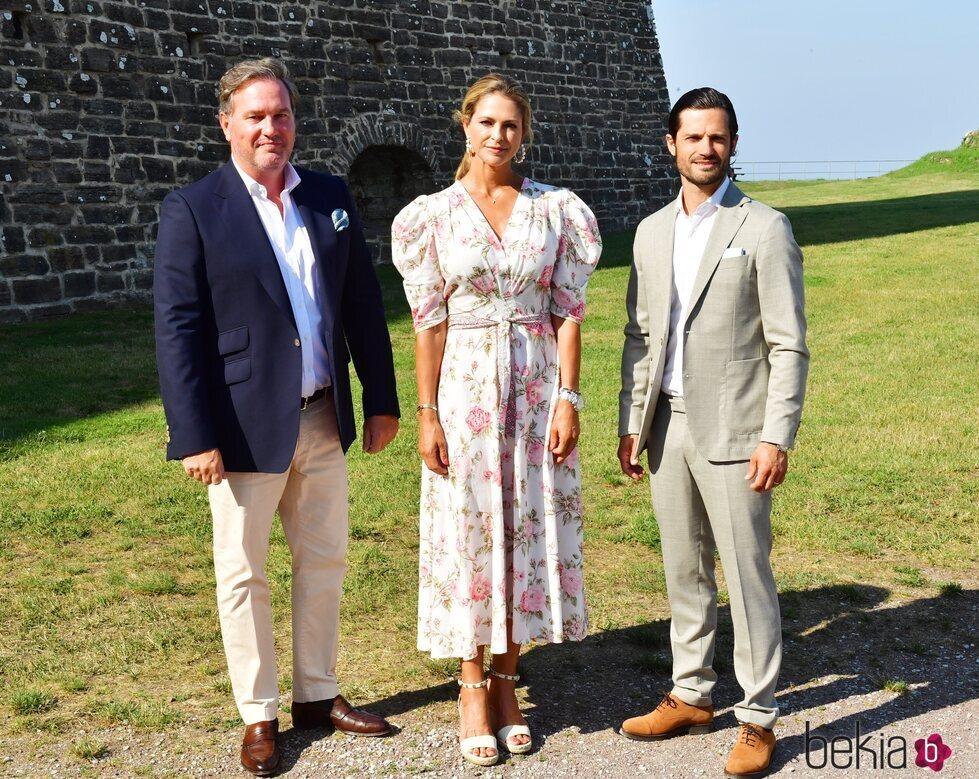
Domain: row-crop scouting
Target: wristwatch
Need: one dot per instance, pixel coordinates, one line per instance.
(782, 449)
(573, 397)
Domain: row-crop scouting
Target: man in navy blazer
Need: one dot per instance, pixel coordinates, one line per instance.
(264, 291)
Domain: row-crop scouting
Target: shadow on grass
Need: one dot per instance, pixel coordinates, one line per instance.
(62, 370)
(838, 222)
(59, 371)
(845, 632)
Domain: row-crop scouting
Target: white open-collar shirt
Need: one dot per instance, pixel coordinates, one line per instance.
(689, 241)
(297, 263)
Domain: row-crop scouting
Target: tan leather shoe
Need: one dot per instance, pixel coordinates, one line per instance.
(260, 748)
(671, 717)
(752, 753)
(339, 714)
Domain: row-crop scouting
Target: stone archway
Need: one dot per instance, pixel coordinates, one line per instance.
(384, 179)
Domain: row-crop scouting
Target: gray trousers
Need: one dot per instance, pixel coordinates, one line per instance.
(701, 506)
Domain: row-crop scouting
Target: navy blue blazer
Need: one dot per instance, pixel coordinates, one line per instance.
(226, 339)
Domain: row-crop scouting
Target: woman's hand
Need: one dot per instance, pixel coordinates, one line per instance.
(431, 442)
(564, 431)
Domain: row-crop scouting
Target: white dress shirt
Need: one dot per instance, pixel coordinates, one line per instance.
(689, 241)
(297, 263)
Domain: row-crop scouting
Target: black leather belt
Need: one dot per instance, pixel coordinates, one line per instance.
(311, 399)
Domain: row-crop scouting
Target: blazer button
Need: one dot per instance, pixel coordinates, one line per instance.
(297, 342)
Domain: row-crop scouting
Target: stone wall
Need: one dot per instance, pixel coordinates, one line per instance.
(107, 105)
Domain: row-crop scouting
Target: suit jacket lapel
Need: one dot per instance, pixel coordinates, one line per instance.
(730, 217)
(256, 253)
(660, 288)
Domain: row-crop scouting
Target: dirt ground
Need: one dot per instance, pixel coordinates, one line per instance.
(843, 645)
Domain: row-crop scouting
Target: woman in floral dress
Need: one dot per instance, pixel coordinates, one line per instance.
(495, 269)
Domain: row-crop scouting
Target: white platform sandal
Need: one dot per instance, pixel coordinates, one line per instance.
(504, 734)
(466, 745)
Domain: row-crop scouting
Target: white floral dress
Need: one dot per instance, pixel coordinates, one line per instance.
(501, 535)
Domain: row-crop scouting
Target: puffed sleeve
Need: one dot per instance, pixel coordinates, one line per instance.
(579, 248)
(414, 252)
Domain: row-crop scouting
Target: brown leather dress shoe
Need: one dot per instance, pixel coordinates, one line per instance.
(671, 717)
(752, 753)
(260, 748)
(341, 715)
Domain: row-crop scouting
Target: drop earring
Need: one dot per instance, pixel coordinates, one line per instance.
(469, 148)
(521, 154)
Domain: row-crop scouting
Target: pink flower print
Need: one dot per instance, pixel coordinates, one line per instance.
(519, 576)
(426, 306)
(535, 391)
(577, 312)
(535, 452)
(495, 476)
(535, 329)
(532, 600)
(544, 282)
(484, 283)
(571, 581)
(462, 467)
(478, 419)
(480, 588)
(456, 199)
(574, 628)
(527, 531)
(564, 299)
(400, 232)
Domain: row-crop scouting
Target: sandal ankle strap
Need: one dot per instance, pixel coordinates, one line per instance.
(508, 677)
(473, 685)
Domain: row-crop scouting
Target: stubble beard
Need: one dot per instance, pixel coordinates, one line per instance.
(703, 178)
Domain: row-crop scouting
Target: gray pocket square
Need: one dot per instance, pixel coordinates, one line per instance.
(340, 220)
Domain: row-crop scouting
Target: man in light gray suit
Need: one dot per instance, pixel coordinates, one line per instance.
(713, 377)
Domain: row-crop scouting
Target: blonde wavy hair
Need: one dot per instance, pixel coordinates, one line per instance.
(493, 83)
(237, 76)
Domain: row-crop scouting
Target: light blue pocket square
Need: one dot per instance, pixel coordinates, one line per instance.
(340, 220)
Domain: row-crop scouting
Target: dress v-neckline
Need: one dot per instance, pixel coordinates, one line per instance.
(516, 203)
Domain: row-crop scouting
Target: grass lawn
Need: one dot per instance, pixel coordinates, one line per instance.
(108, 608)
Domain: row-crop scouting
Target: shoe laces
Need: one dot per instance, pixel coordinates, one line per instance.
(749, 734)
(666, 700)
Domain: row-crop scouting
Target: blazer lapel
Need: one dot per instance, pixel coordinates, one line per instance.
(659, 289)
(730, 217)
(255, 252)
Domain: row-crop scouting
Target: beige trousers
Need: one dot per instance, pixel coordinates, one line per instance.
(702, 506)
(311, 497)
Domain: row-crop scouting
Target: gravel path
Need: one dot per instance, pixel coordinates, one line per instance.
(838, 654)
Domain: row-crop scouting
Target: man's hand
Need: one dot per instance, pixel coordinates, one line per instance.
(767, 467)
(379, 431)
(431, 443)
(628, 459)
(564, 431)
(207, 467)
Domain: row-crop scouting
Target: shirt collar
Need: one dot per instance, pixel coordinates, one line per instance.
(255, 189)
(710, 204)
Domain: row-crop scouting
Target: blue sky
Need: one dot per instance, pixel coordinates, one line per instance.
(830, 80)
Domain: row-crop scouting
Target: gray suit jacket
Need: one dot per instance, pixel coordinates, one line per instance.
(745, 358)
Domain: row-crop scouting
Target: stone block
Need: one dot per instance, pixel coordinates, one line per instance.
(32, 291)
(13, 265)
(98, 59)
(109, 282)
(79, 284)
(12, 239)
